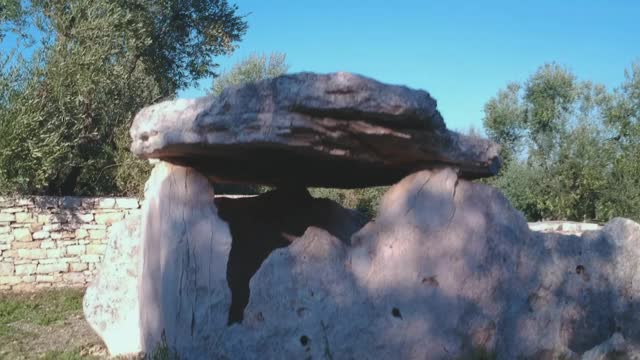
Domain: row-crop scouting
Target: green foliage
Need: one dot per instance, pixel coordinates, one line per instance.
(65, 113)
(570, 147)
(251, 69)
(365, 200)
(503, 122)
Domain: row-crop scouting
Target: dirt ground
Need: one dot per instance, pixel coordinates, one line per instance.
(46, 327)
(72, 338)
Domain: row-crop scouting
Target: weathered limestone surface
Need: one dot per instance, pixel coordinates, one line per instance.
(111, 301)
(446, 269)
(580, 291)
(335, 130)
(182, 290)
(429, 278)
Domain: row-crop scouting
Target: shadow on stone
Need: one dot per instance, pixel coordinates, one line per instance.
(261, 224)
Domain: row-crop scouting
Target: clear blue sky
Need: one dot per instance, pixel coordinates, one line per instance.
(462, 52)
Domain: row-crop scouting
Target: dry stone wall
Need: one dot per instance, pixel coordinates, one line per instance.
(55, 241)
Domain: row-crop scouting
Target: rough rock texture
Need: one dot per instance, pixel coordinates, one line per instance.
(336, 130)
(429, 278)
(182, 288)
(447, 269)
(111, 302)
(580, 290)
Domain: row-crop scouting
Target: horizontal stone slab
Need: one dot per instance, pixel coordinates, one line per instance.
(336, 130)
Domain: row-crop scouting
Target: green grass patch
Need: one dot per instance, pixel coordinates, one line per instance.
(40, 308)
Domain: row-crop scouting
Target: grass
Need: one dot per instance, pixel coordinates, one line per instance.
(44, 325)
(66, 355)
(40, 308)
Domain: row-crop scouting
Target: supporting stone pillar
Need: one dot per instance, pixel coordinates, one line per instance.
(183, 292)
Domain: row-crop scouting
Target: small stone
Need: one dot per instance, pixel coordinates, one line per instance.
(27, 245)
(52, 268)
(63, 235)
(127, 203)
(76, 267)
(74, 277)
(26, 269)
(55, 253)
(45, 278)
(6, 239)
(45, 218)
(29, 279)
(82, 233)
(22, 234)
(24, 217)
(9, 280)
(107, 203)
(49, 261)
(32, 253)
(6, 269)
(76, 250)
(52, 227)
(39, 235)
(97, 234)
(85, 217)
(108, 218)
(9, 253)
(91, 258)
(5, 229)
(48, 244)
(6, 217)
(12, 210)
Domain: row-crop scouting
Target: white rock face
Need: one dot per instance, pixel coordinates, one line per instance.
(447, 268)
(111, 301)
(427, 279)
(183, 293)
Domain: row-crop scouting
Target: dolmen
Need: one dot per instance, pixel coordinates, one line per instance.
(447, 269)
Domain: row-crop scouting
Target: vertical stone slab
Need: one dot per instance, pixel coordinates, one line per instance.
(111, 302)
(183, 292)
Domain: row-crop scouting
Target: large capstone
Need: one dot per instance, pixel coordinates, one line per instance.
(336, 130)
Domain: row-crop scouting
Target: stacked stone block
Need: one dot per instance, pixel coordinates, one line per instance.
(55, 241)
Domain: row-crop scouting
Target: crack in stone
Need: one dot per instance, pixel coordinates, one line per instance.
(415, 197)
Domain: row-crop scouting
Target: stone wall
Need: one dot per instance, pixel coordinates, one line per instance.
(55, 241)
(564, 227)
